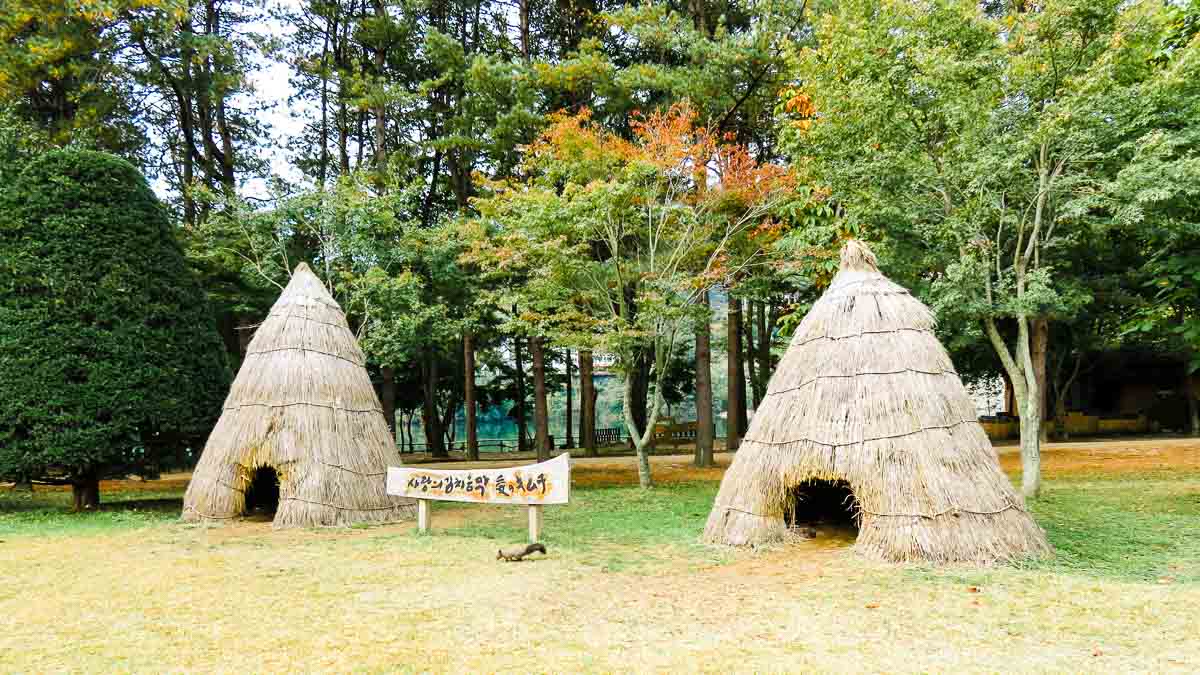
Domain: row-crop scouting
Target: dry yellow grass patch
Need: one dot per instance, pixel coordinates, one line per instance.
(153, 596)
(180, 597)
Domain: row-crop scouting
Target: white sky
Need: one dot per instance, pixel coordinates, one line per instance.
(270, 84)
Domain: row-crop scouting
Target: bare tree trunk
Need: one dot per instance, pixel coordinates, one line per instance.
(85, 491)
(764, 329)
(401, 424)
(1031, 457)
(743, 404)
(388, 399)
(570, 438)
(1189, 395)
(698, 20)
(1031, 416)
(642, 437)
(749, 360)
(1039, 339)
(323, 135)
(734, 410)
(540, 409)
(379, 109)
(587, 407)
(1027, 398)
(520, 407)
(523, 18)
(704, 392)
(430, 418)
(449, 414)
(641, 392)
(469, 396)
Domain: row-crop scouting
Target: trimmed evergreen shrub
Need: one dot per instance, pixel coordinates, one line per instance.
(109, 356)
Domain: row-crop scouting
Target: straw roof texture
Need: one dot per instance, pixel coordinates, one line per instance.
(866, 394)
(302, 404)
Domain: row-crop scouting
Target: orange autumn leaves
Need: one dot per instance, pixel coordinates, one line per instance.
(708, 170)
(800, 108)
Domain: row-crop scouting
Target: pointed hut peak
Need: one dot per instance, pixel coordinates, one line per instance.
(858, 257)
(305, 282)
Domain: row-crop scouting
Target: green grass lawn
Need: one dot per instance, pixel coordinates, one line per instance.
(1135, 527)
(132, 588)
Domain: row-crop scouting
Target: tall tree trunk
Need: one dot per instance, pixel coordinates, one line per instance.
(733, 408)
(449, 415)
(429, 414)
(587, 407)
(570, 443)
(750, 359)
(469, 396)
(1039, 339)
(698, 18)
(640, 377)
(388, 399)
(537, 349)
(379, 110)
(1189, 395)
(522, 431)
(1031, 431)
(643, 435)
(85, 491)
(764, 328)
(704, 392)
(1028, 399)
(743, 403)
(523, 27)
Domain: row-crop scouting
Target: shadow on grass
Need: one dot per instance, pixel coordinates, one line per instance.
(49, 512)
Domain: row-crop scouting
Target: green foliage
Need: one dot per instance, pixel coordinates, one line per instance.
(974, 144)
(60, 69)
(1154, 192)
(109, 355)
(20, 142)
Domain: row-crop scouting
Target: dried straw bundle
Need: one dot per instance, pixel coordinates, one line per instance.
(866, 394)
(303, 405)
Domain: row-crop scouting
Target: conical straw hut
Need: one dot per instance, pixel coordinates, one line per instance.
(866, 404)
(303, 409)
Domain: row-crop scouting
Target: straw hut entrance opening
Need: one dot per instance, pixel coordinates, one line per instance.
(302, 434)
(866, 423)
(262, 496)
(829, 506)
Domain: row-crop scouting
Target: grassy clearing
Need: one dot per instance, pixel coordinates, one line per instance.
(626, 586)
(47, 512)
(1138, 528)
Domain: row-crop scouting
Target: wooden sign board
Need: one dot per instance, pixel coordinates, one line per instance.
(533, 485)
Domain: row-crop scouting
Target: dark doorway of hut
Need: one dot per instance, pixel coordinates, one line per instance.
(262, 497)
(825, 511)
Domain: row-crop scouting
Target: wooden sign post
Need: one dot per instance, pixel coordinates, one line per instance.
(534, 486)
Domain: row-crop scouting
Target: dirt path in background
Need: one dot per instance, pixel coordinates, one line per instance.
(1100, 456)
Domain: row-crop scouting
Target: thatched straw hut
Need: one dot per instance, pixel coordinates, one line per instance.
(866, 407)
(301, 424)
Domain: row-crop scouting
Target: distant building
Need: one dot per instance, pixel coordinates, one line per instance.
(1126, 384)
(603, 364)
